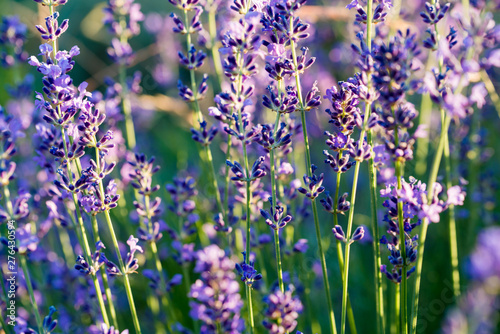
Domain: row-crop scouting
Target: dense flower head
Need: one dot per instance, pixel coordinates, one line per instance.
(272, 138)
(122, 17)
(314, 184)
(282, 310)
(247, 271)
(182, 191)
(215, 294)
(52, 29)
(97, 260)
(274, 218)
(434, 13)
(258, 170)
(393, 67)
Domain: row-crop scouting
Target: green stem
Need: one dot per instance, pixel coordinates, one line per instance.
(399, 166)
(250, 308)
(128, 288)
(27, 278)
(402, 249)
(340, 257)
(104, 277)
(199, 115)
(397, 308)
(451, 220)
(227, 178)
(159, 267)
(274, 205)
(3, 324)
(377, 261)
(331, 315)
(425, 223)
(83, 233)
(348, 244)
(127, 110)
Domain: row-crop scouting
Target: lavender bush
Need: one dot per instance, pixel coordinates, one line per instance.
(171, 179)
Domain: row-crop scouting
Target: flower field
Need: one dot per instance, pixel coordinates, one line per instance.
(249, 166)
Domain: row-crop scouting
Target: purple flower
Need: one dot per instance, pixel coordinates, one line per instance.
(247, 271)
(456, 196)
(131, 263)
(216, 301)
(282, 310)
(301, 246)
(485, 260)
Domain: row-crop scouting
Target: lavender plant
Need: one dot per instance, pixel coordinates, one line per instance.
(107, 240)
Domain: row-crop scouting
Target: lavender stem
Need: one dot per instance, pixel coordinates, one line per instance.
(331, 315)
(199, 115)
(107, 290)
(84, 240)
(425, 223)
(369, 13)
(27, 278)
(340, 257)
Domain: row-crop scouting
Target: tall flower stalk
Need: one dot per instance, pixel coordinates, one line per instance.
(143, 170)
(194, 59)
(123, 17)
(68, 101)
(295, 30)
(368, 14)
(60, 112)
(446, 91)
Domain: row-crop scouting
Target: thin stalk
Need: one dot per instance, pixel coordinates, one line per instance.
(104, 277)
(128, 288)
(84, 239)
(443, 141)
(455, 274)
(250, 308)
(199, 115)
(425, 223)
(127, 110)
(402, 249)
(399, 166)
(348, 244)
(397, 308)
(331, 315)
(247, 173)
(377, 261)
(159, 267)
(275, 203)
(3, 324)
(340, 257)
(227, 177)
(27, 278)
